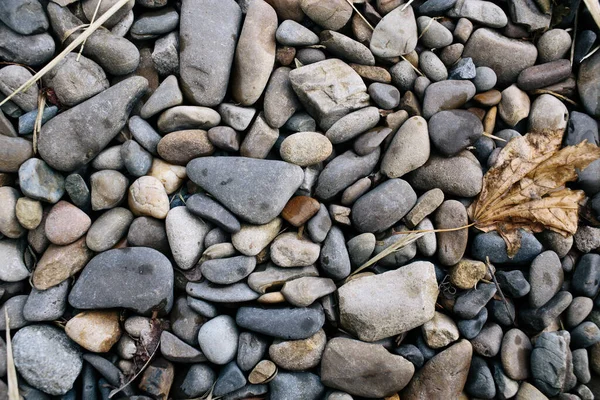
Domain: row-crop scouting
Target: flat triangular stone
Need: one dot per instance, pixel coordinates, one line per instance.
(255, 190)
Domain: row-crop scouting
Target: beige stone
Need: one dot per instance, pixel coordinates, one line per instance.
(108, 189)
(29, 212)
(95, 331)
(171, 176)
(514, 105)
(147, 196)
(264, 371)
(251, 239)
(66, 223)
(440, 331)
(9, 224)
(271, 298)
(305, 148)
(59, 263)
(298, 355)
(467, 273)
(180, 147)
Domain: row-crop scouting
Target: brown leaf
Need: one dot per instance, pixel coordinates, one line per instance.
(525, 188)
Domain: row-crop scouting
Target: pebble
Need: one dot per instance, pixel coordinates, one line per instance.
(433, 34)
(329, 90)
(330, 14)
(553, 45)
(60, 144)
(298, 355)
(11, 78)
(581, 367)
(432, 380)
(27, 121)
(446, 95)
(513, 283)
(528, 14)
(13, 310)
(585, 335)
(264, 372)
(346, 48)
(493, 246)
(267, 183)
(432, 66)
(137, 278)
(280, 102)
(46, 358)
(507, 57)
(208, 209)
(290, 323)
(305, 148)
(463, 69)
(527, 391)
(439, 331)
(578, 310)
(549, 362)
(31, 50)
(145, 135)
(545, 277)
(66, 223)
(384, 95)
(459, 175)
(234, 293)
(515, 354)
(463, 30)
(186, 233)
(387, 41)
(174, 349)
(187, 117)
(152, 24)
(485, 79)
(147, 197)
(451, 245)
(46, 305)
(291, 33)
(252, 239)
(14, 268)
(353, 124)
(228, 270)
(40, 182)
(543, 75)
(408, 150)
(583, 45)
(299, 210)
(296, 385)
(374, 315)
(165, 96)
(165, 56)
(107, 189)
(171, 176)
(58, 263)
(467, 273)
(484, 12)
(96, 331)
(480, 383)
(469, 303)
(13, 153)
(343, 171)
(487, 343)
(250, 351)
(29, 212)
(288, 250)
(108, 229)
(218, 339)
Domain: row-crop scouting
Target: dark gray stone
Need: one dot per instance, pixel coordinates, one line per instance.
(545, 277)
(195, 382)
(152, 24)
(282, 322)
(296, 386)
(148, 232)
(480, 383)
(493, 246)
(46, 305)
(454, 130)
(581, 366)
(137, 160)
(248, 391)
(586, 278)
(230, 378)
(549, 362)
(463, 69)
(25, 17)
(209, 209)
(185, 321)
(13, 307)
(469, 304)
(585, 335)
(138, 278)
(513, 283)
(174, 349)
(319, 225)
(436, 7)
(470, 328)
(27, 121)
(334, 258)
(237, 292)
(144, 134)
(343, 171)
(32, 50)
(411, 353)
(40, 182)
(255, 190)
(226, 271)
(251, 349)
(539, 318)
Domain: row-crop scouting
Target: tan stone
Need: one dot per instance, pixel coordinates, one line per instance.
(95, 331)
(108, 189)
(298, 355)
(147, 196)
(180, 147)
(171, 176)
(467, 273)
(9, 224)
(251, 239)
(271, 298)
(59, 263)
(29, 212)
(514, 105)
(263, 372)
(66, 223)
(158, 379)
(305, 148)
(440, 331)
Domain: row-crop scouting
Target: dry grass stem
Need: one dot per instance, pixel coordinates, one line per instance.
(91, 22)
(80, 39)
(594, 8)
(11, 372)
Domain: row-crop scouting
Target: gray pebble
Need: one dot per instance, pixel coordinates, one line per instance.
(384, 95)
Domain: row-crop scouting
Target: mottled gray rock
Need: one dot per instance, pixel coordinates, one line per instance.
(433, 34)
(228, 270)
(383, 206)
(454, 130)
(280, 101)
(484, 12)
(528, 13)
(545, 277)
(296, 386)
(138, 278)
(507, 57)
(274, 276)
(251, 349)
(291, 33)
(334, 258)
(549, 362)
(186, 233)
(329, 90)
(353, 124)
(136, 159)
(14, 151)
(30, 50)
(152, 24)
(239, 118)
(330, 14)
(46, 305)
(165, 96)
(174, 349)
(235, 293)
(11, 78)
(364, 369)
(207, 49)
(255, 190)
(25, 17)
(388, 40)
(76, 79)
(588, 84)
(446, 95)
(346, 48)
(108, 229)
(74, 137)
(165, 55)
(343, 171)
(47, 358)
(469, 303)
(432, 66)
(40, 182)
(282, 322)
(376, 307)
(259, 140)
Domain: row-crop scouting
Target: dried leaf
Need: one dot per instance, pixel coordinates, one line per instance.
(525, 188)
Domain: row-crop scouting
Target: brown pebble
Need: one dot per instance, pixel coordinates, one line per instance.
(271, 298)
(264, 371)
(285, 55)
(372, 73)
(410, 104)
(158, 378)
(59, 263)
(541, 75)
(489, 122)
(479, 112)
(181, 147)
(489, 98)
(299, 210)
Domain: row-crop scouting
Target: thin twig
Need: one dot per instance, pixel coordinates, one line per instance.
(493, 137)
(588, 55)
(487, 262)
(37, 126)
(11, 372)
(91, 22)
(459, 228)
(88, 32)
(115, 391)
(404, 7)
(360, 15)
(574, 36)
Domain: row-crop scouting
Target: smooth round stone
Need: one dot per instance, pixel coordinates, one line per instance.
(581, 367)
(218, 339)
(186, 233)
(13, 266)
(95, 331)
(585, 335)
(397, 258)
(291, 323)
(137, 160)
(291, 33)
(310, 56)
(342, 46)
(585, 41)
(230, 379)
(411, 353)
(487, 342)
(383, 206)
(384, 95)
(13, 307)
(185, 322)
(470, 328)
(298, 355)
(264, 371)
(147, 197)
(451, 54)
(334, 258)
(548, 114)
(89, 10)
(9, 224)
(108, 229)
(75, 79)
(171, 176)
(58, 263)
(187, 117)
(493, 246)
(319, 225)
(239, 118)
(296, 385)
(107, 189)
(553, 45)
(469, 303)
(304, 291)
(288, 250)
(545, 277)
(542, 75)
(514, 105)
(198, 380)
(46, 358)
(78, 191)
(26, 17)
(460, 175)
(154, 23)
(480, 383)
(388, 41)
(226, 271)
(403, 75)
(109, 158)
(66, 223)
(439, 331)
(31, 50)
(515, 354)
(454, 130)
(330, 14)
(40, 182)
(148, 232)
(11, 78)
(357, 189)
(252, 239)
(432, 66)
(209, 209)
(165, 96)
(14, 152)
(446, 95)
(585, 280)
(305, 148)
(463, 30)
(225, 138)
(578, 310)
(353, 124)
(29, 212)
(513, 283)
(176, 350)
(485, 79)
(433, 34)
(46, 305)
(138, 278)
(180, 147)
